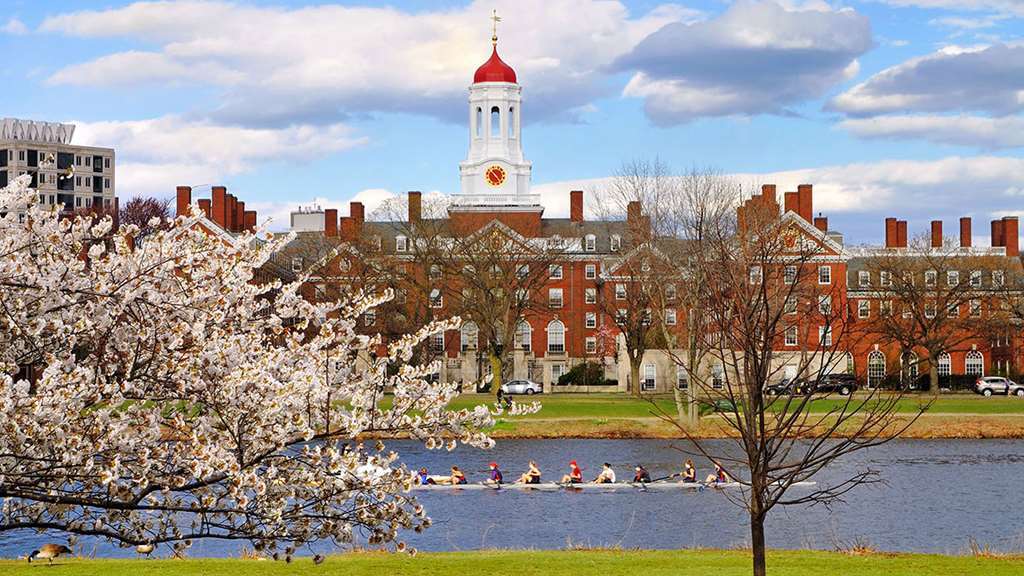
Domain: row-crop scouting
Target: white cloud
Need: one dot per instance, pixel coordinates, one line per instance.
(956, 78)
(977, 131)
(14, 27)
(157, 154)
(962, 23)
(278, 66)
(757, 57)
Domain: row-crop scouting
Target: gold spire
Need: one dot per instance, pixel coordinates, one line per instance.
(494, 34)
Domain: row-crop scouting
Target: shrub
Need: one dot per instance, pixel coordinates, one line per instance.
(585, 374)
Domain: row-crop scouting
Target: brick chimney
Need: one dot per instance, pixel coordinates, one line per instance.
(205, 206)
(1011, 236)
(936, 233)
(239, 216)
(576, 205)
(821, 223)
(331, 222)
(184, 199)
(965, 232)
(901, 233)
(805, 194)
(792, 200)
(220, 201)
(768, 194)
(250, 220)
(998, 239)
(890, 233)
(415, 206)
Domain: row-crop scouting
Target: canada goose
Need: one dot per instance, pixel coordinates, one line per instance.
(318, 559)
(49, 552)
(145, 549)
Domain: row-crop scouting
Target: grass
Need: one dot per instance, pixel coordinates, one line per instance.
(548, 563)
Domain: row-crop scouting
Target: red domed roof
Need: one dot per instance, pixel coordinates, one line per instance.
(494, 70)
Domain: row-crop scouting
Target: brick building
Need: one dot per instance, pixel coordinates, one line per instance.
(574, 311)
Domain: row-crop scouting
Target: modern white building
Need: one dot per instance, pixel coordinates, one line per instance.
(68, 176)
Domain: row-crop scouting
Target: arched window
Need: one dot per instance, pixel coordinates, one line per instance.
(974, 364)
(479, 121)
(876, 369)
(470, 334)
(908, 368)
(944, 366)
(524, 335)
(512, 122)
(495, 122)
(556, 336)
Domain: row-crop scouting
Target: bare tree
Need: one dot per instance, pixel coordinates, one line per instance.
(768, 304)
(933, 299)
(141, 212)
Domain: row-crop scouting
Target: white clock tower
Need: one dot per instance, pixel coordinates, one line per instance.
(495, 174)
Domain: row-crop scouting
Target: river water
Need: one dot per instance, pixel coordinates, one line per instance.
(937, 495)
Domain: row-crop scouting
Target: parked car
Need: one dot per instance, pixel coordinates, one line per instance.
(528, 387)
(989, 385)
(843, 384)
(784, 387)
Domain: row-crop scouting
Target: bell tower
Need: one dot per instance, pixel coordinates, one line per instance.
(494, 173)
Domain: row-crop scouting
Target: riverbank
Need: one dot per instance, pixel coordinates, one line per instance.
(552, 563)
(616, 416)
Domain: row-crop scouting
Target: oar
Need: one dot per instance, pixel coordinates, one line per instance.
(663, 478)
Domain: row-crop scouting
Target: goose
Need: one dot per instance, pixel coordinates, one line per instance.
(318, 559)
(145, 549)
(49, 552)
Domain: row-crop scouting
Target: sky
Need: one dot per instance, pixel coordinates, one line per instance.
(906, 108)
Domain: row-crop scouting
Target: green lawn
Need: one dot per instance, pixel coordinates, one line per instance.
(534, 563)
(587, 406)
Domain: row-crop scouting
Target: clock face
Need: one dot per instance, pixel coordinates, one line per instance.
(495, 175)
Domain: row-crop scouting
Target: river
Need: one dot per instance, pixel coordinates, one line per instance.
(937, 495)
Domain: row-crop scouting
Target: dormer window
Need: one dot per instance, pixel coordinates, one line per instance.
(615, 243)
(401, 243)
(590, 243)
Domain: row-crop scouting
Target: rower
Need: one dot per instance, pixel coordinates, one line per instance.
(422, 478)
(495, 477)
(641, 475)
(457, 477)
(531, 476)
(719, 477)
(689, 472)
(607, 475)
(575, 475)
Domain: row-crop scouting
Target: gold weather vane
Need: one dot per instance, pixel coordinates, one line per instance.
(494, 34)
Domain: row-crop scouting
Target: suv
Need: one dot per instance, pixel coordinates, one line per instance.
(989, 385)
(528, 387)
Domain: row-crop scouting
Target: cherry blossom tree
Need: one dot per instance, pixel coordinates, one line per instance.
(153, 392)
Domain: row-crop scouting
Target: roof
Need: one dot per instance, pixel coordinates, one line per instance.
(494, 70)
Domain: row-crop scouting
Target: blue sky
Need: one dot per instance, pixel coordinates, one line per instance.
(909, 108)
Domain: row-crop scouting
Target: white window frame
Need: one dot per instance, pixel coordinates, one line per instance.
(885, 278)
(436, 298)
(556, 337)
(864, 278)
(590, 320)
(825, 274)
(952, 278)
(590, 345)
(670, 292)
(682, 378)
(590, 271)
(863, 309)
(789, 275)
(297, 264)
(555, 298)
(825, 304)
(976, 278)
(792, 336)
(998, 277)
(555, 272)
(615, 243)
(590, 243)
(620, 291)
(649, 381)
(825, 335)
(590, 295)
(756, 274)
(670, 316)
(790, 304)
(401, 244)
(931, 278)
(977, 367)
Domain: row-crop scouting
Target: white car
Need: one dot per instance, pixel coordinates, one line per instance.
(990, 385)
(528, 387)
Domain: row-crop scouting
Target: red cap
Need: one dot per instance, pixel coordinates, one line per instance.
(572, 463)
(494, 70)
(493, 464)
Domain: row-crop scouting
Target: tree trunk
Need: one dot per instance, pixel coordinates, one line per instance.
(634, 376)
(933, 376)
(496, 367)
(757, 543)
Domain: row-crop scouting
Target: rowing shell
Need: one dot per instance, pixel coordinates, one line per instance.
(589, 486)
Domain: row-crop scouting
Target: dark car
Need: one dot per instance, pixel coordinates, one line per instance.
(843, 384)
(784, 387)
